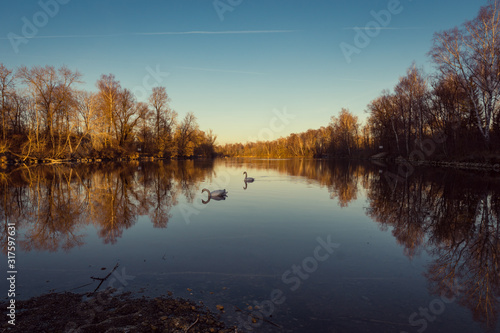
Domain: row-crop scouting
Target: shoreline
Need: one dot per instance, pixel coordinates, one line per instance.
(473, 166)
(49, 161)
(108, 311)
(459, 165)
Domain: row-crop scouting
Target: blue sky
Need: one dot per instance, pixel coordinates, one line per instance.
(263, 57)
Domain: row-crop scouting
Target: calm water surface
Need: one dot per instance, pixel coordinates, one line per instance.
(310, 246)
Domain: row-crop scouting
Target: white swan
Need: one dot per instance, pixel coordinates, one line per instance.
(247, 179)
(216, 195)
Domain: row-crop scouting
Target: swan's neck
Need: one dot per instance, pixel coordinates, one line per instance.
(209, 194)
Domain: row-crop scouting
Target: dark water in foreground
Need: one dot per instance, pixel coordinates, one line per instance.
(311, 246)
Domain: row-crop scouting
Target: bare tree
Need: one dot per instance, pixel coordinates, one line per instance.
(163, 119)
(109, 89)
(471, 53)
(411, 93)
(53, 94)
(186, 135)
(346, 128)
(90, 125)
(125, 117)
(18, 104)
(206, 143)
(449, 112)
(6, 92)
(385, 121)
(144, 131)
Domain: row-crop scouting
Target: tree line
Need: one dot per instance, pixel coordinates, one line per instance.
(452, 113)
(45, 116)
(342, 137)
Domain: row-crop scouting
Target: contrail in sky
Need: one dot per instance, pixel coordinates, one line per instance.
(383, 28)
(227, 32)
(195, 32)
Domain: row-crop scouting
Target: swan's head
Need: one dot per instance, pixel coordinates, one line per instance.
(245, 173)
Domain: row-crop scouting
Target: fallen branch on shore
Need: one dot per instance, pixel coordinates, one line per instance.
(104, 278)
(190, 326)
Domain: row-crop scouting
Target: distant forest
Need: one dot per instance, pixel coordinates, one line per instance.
(451, 114)
(45, 117)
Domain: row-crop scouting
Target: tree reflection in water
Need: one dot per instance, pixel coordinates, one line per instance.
(452, 216)
(455, 217)
(53, 204)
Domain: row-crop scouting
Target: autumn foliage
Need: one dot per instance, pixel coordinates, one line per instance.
(45, 116)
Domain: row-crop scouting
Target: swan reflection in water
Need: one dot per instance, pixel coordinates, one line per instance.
(246, 184)
(214, 195)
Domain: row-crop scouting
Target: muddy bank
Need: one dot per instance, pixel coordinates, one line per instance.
(105, 312)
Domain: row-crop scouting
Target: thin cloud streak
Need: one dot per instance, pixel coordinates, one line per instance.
(218, 70)
(227, 32)
(383, 28)
(199, 32)
(69, 36)
(361, 80)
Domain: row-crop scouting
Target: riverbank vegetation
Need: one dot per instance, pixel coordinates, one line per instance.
(451, 114)
(45, 116)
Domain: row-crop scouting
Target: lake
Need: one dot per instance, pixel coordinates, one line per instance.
(309, 246)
